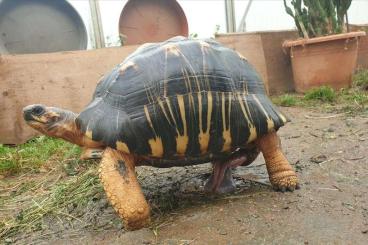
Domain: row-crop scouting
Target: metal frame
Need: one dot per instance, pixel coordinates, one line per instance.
(99, 38)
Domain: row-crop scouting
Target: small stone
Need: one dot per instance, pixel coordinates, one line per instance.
(119, 225)
(318, 158)
(365, 231)
(349, 122)
(224, 233)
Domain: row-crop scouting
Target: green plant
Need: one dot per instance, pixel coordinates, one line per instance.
(323, 93)
(193, 35)
(286, 100)
(361, 79)
(315, 18)
(29, 157)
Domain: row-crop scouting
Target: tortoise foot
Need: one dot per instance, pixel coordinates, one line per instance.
(281, 174)
(226, 186)
(285, 181)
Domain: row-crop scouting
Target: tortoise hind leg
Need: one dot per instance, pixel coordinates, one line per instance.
(123, 190)
(282, 176)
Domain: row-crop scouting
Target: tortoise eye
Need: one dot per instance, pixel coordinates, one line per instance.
(38, 110)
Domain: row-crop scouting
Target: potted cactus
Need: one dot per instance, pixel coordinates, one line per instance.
(326, 52)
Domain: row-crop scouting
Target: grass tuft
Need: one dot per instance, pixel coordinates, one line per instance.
(286, 100)
(29, 157)
(361, 79)
(350, 101)
(323, 93)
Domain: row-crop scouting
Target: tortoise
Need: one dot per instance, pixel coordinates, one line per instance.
(176, 103)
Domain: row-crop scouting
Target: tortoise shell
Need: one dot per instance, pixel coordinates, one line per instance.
(181, 98)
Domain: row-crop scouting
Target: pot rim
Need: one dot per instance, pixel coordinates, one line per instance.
(305, 41)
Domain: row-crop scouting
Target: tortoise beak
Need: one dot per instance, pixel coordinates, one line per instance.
(34, 112)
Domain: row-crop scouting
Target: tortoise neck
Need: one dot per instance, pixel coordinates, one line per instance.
(69, 131)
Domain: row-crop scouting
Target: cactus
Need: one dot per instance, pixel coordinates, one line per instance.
(315, 18)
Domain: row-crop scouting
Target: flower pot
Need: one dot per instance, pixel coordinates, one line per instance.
(324, 61)
(362, 62)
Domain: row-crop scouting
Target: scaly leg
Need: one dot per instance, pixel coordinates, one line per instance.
(123, 190)
(91, 153)
(282, 176)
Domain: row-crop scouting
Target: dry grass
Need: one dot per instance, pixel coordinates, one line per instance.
(48, 198)
(42, 178)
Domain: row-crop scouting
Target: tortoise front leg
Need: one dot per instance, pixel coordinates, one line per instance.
(282, 176)
(123, 190)
(91, 153)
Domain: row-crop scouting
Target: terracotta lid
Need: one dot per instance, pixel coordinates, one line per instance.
(40, 26)
(305, 41)
(143, 21)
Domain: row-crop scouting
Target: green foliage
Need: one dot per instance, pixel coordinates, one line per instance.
(361, 79)
(33, 154)
(357, 97)
(193, 35)
(323, 93)
(286, 100)
(315, 18)
(353, 100)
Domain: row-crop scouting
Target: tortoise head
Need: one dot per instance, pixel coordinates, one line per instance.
(56, 122)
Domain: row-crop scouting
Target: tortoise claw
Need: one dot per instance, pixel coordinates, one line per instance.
(285, 183)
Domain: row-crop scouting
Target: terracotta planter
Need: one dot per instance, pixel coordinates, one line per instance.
(324, 61)
(362, 62)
